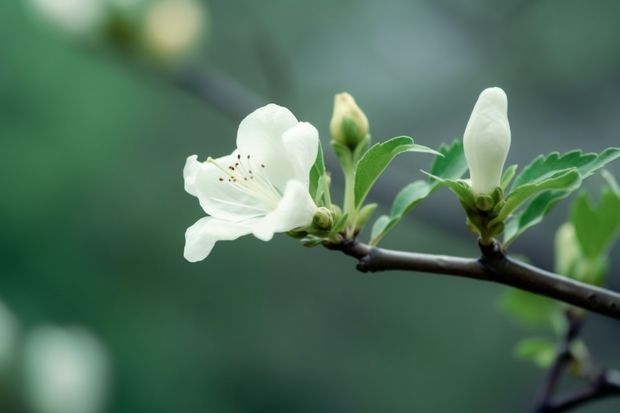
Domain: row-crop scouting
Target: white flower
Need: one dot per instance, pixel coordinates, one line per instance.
(260, 189)
(487, 140)
(65, 371)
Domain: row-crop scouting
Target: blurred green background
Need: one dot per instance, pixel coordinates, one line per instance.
(93, 212)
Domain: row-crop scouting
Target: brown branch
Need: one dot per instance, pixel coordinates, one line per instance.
(493, 266)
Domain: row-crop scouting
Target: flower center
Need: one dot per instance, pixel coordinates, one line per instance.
(249, 177)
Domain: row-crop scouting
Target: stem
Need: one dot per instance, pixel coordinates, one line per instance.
(493, 266)
(349, 199)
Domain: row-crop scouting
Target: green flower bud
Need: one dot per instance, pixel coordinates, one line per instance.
(349, 125)
(486, 140)
(323, 219)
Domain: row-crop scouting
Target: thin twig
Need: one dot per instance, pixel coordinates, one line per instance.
(563, 357)
(493, 266)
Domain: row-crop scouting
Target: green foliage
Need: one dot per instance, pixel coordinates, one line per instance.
(452, 163)
(318, 185)
(596, 226)
(539, 350)
(530, 309)
(376, 159)
(543, 183)
(448, 164)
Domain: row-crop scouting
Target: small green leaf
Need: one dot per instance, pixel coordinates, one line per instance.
(379, 229)
(538, 350)
(452, 163)
(508, 175)
(449, 164)
(363, 215)
(317, 181)
(529, 309)
(378, 157)
(596, 226)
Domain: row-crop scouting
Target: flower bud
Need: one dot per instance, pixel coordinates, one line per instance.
(323, 219)
(349, 125)
(487, 140)
(173, 28)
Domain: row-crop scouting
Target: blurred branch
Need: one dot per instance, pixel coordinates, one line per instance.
(222, 92)
(493, 266)
(602, 384)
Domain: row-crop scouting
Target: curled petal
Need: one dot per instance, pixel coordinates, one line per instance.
(301, 143)
(202, 236)
(296, 209)
(189, 174)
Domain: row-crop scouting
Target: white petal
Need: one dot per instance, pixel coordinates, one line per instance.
(202, 236)
(189, 174)
(301, 142)
(296, 209)
(217, 196)
(260, 136)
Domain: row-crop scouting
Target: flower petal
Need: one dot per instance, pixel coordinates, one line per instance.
(260, 136)
(296, 209)
(202, 236)
(301, 143)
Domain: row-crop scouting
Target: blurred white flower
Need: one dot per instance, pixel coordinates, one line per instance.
(172, 28)
(78, 17)
(487, 140)
(65, 371)
(8, 337)
(260, 189)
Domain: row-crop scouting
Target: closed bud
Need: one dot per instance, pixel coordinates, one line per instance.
(487, 140)
(173, 28)
(323, 219)
(349, 125)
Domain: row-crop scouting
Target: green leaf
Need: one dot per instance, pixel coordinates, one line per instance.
(566, 180)
(379, 229)
(539, 350)
(544, 166)
(452, 164)
(532, 214)
(449, 164)
(405, 201)
(378, 157)
(317, 181)
(596, 226)
(529, 309)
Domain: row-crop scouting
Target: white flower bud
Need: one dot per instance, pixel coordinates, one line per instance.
(487, 140)
(173, 28)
